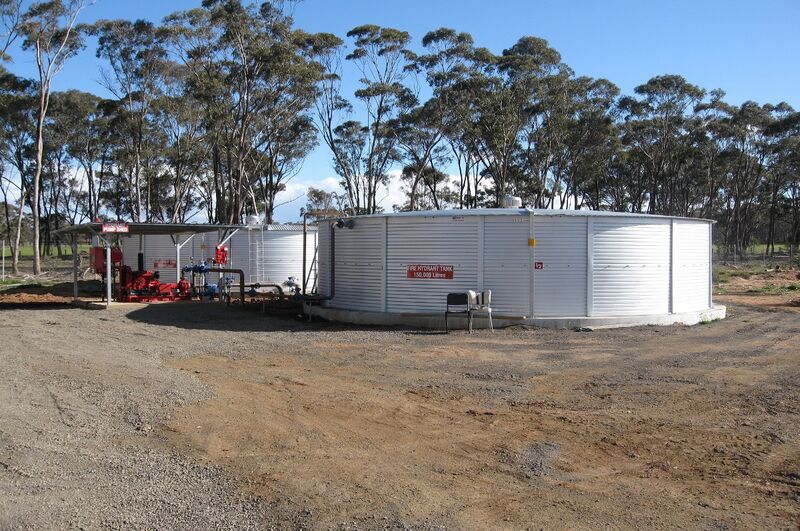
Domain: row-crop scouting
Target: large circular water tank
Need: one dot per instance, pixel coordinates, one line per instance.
(553, 268)
(267, 254)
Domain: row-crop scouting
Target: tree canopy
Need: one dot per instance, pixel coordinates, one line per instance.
(212, 112)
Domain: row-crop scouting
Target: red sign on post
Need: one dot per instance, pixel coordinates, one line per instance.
(430, 271)
(538, 265)
(115, 228)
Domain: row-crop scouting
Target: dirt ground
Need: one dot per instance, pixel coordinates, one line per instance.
(190, 415)
(764, 289)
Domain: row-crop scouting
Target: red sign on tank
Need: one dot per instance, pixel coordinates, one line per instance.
(430, 271)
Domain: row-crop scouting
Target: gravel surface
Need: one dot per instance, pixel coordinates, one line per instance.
(80, 392)
(188, 416)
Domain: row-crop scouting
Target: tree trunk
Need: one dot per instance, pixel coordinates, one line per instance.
(37, 175)
(17, 237)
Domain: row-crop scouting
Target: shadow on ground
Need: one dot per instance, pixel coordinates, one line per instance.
(194, 315)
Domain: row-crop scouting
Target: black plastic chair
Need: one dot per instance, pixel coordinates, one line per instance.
(459, 304)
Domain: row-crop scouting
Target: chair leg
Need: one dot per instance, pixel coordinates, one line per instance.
(446, 327)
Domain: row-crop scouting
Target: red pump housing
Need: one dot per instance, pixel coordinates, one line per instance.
(221, 255)
(144, 286)
(97, 257)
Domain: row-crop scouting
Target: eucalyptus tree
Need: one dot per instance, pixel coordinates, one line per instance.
(420, 143)
(249, 69)
(16, 141)
(512, 118)
(657, 131)
(746, 159)
(278, 158)
(349, 145)
(192, 40)
(541, 82)
(88, 140)
(11, 16)
(185, 151)
(57, 182)
(52, 34)
(499, 114)
(135, 54)
(450, 64)
(777, 180)
(284, 132)
(590, 143)
(382, 57)
(346, 139)
(323, 204)
(364, 153)
(786, 130)
(10, 20)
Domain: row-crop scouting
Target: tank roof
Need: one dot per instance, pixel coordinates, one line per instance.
(523, 212)
(135, 228)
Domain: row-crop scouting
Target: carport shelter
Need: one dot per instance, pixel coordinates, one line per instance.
(105, 231)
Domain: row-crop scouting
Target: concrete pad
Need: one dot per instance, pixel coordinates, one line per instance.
(436, 320)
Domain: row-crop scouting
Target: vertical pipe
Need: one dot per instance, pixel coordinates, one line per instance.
(531, 265)
(385, 264)
(305, 237)
(4, 260)
(75, 268)
(481, 243)
(672, 267)
(711, 264)
(108, 274)
(589, 266)
(332, 293)
(178, 260)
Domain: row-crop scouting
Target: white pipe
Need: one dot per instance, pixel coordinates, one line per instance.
(178, 247)
(108, 274)
(223, 242)
(75, 268)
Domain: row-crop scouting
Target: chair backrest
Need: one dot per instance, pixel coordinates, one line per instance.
(457, 299)
(486, 298)
(472, 296)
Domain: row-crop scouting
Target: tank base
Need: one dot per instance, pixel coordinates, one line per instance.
(436, 320)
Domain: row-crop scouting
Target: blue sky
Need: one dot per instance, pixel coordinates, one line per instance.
(749, 49)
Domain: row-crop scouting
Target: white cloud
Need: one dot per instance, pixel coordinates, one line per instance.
(393, 195)
(293, 198)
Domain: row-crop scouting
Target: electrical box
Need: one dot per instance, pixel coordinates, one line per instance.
(97, 257)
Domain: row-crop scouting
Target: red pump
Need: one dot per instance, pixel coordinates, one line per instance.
(144, 286)
(97, 257)
(221, 255)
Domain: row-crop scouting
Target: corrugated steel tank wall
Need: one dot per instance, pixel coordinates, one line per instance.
(560, 284)
(272, 256)
(265, 256)
(324, 259)
(691, 263)
(359, 265)
(434, 240)
(542, 265)
(507, 263)
(630, 266)
(159, 254)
